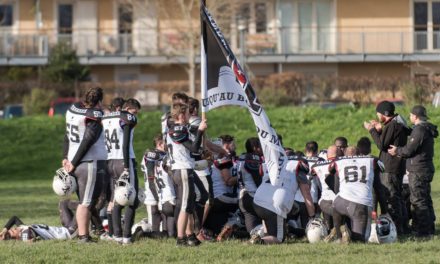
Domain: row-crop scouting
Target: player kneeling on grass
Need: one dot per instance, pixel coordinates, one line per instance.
(119, 128)
(273, 203)
(355, 178)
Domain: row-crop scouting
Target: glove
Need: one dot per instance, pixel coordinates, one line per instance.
(125, 175)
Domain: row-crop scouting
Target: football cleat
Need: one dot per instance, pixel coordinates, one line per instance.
(316, 230)
(125, 194)
(63, 183)
(192, 241)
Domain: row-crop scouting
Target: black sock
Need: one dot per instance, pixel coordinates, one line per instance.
(110, 223)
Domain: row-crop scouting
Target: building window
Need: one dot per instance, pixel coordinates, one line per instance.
(260, 17)
(426, 25)
(65, 19)
(306, 26)
(6, 15)
(125, 21)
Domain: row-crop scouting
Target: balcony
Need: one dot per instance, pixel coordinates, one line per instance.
(285, 45)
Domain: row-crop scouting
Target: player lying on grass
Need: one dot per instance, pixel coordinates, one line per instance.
(16, 229)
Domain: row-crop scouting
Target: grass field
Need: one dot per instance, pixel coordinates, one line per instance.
(30, 152)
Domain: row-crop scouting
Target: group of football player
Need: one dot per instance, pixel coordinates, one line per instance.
(198, 189)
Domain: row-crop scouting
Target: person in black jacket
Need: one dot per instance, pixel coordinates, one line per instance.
(419, 153)
(391, 130)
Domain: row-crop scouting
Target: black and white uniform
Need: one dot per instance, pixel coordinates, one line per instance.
(119, 130)
(273, 203)
(321, 171)
(180, 147)
(250, 173)
(355, 178)
(41, 231)
(84, 147)
(202, 178)
(225, 197)
(159, 189)
(314, 191)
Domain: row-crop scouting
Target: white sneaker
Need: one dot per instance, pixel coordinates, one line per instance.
(118, 239)
(126, 241)
(106, 237)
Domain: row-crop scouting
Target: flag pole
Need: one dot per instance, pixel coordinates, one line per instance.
(202, 29)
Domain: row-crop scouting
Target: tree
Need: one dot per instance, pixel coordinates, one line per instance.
(64, 68)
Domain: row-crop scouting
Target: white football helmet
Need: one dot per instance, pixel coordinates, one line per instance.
(141, 195)
(386, 230)
(125, 194)
(316, 230)
(146, 227)
(63, 183)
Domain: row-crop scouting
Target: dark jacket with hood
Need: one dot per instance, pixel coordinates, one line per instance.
(419, 151)
(394, 132)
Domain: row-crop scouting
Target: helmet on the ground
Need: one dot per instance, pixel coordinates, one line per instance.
(125, 194)
(386, 230)
(63, 183)
(146, 227)
(316, 230)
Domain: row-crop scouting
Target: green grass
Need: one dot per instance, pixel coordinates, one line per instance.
(30, 152)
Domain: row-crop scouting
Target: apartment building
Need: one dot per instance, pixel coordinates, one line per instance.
(126, 40)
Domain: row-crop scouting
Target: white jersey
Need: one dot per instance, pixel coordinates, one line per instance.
(321, 170)
(149, 197)
(76, 120)
(49, 232)
(247, 165)
(218, 184)
(280, 199)
(114, 124)
(164, 184)
(179, 154)
(356, 176)
(313, 183)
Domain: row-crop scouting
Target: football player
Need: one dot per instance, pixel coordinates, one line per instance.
(106, 193)
(180, 147)
(33, 232)
(321, 170)
(160, 187)
(311, 155)
(355, 179)
(250, 173)
(119, 129)
(85, 155)
(224, 180)
(273, 203)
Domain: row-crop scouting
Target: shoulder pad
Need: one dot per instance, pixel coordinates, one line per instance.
(249, 157)
(128, 118)
(94, 114)
(179, 133)
(152, 155)
(293, 157)
(78, 108)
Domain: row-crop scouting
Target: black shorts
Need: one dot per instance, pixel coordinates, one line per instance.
(89, 175)
(185, 190)
(273, 222)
